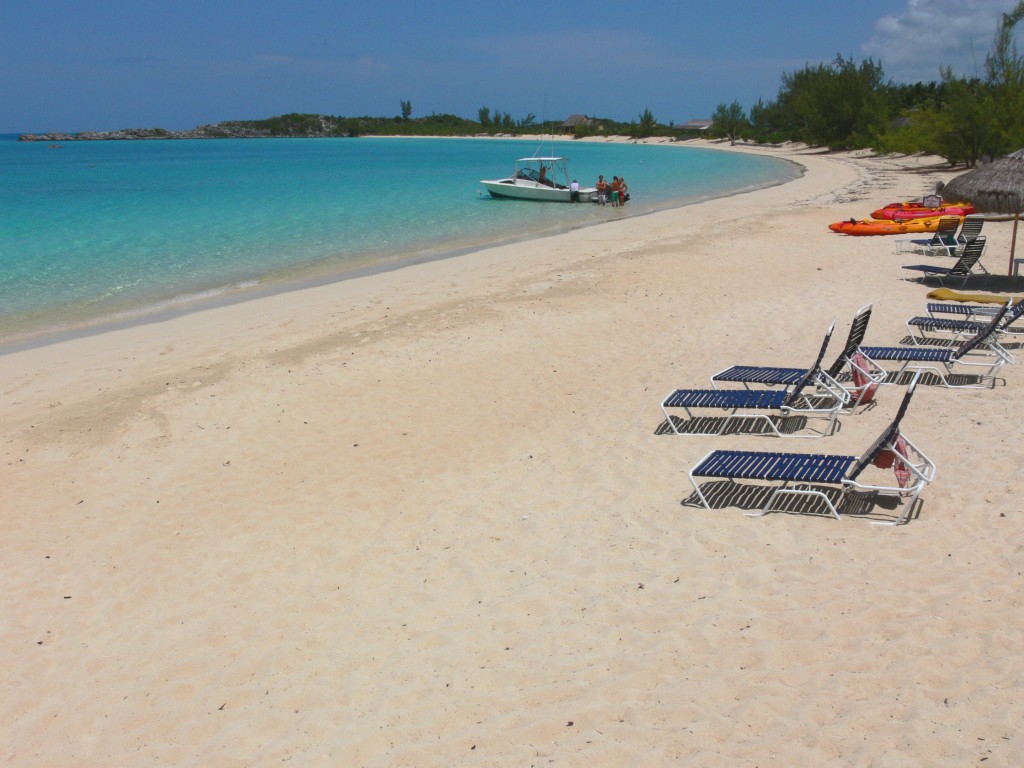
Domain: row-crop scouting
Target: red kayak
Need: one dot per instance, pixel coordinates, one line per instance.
(917, 210)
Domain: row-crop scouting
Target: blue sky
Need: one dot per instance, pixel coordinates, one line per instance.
(176, 64)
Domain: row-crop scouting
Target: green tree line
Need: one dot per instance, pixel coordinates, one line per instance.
(492, 122)
(846, 104)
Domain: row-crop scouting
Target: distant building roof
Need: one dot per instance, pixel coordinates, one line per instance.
(698, 125)
(573, 120)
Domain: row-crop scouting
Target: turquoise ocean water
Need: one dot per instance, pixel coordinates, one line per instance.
(95, 232)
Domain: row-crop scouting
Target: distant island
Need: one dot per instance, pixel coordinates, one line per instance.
(285, 126)
(307, 126)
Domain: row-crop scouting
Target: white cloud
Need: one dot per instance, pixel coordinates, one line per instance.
(914, 43)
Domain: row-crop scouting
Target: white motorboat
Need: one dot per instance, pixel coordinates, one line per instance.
(543, 179)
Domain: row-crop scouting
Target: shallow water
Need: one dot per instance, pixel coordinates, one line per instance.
(99, 230)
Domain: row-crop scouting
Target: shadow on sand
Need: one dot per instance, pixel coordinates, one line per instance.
(722, 494)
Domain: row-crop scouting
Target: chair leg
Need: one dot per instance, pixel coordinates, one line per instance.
(785, 490)
(668, 418)
(908, 505)
(697, 490)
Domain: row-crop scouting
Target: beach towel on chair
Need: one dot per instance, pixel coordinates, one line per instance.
(896, 460)
(863, 387)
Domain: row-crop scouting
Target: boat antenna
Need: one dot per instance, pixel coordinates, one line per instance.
(544, 133)
(544, 127)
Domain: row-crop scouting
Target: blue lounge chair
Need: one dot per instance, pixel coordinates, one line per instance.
(969, 232)
(960, 271)
(768, 375)
(918, 358)
(764, 405)
(943, 241)
(811, 475)
(971, 321)
(786, 377)
(978, 313)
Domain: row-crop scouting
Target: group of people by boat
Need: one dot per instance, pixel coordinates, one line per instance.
(617, 193)
(547, 179)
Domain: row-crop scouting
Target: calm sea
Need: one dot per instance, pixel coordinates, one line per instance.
(94, 232)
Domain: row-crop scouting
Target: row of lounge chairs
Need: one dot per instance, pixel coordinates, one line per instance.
(807, 403)
(810, 475)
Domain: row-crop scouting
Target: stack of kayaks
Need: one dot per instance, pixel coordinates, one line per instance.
(917, 210)
(901, 219)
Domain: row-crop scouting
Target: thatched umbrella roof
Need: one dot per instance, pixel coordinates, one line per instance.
(994, 188)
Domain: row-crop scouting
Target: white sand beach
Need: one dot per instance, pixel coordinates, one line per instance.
(425, 518)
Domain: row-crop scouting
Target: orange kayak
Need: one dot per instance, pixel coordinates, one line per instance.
(885, 226)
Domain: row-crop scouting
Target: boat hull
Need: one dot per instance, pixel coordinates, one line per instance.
(524, 190)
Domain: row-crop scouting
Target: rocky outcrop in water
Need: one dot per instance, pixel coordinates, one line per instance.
(46, 137)
(150, 134)
(286, 126)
